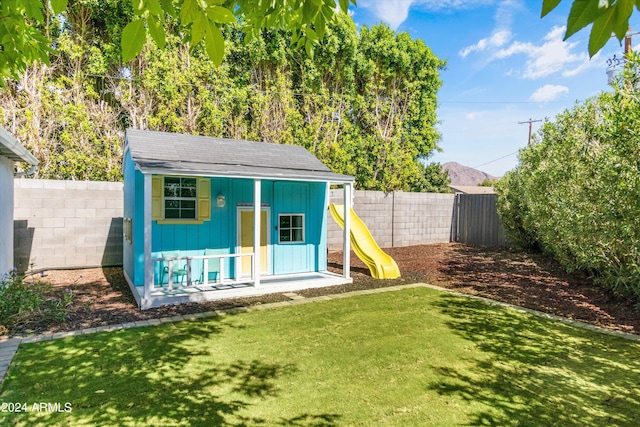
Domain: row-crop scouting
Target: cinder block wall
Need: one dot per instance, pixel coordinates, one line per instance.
(422, 218)
(67, 223)
(398, 218)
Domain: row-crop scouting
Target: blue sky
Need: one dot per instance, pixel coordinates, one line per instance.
(504, 65)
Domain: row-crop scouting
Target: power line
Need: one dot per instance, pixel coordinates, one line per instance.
(490, 161)
(494, 160)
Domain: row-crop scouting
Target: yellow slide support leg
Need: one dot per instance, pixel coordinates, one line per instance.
(381, 265)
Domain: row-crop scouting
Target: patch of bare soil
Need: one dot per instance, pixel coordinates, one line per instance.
(102, 296)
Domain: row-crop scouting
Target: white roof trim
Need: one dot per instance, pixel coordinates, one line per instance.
(298, 177)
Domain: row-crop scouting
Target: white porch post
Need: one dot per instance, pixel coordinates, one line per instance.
(346, 238)
(257, 207)
(148, 263)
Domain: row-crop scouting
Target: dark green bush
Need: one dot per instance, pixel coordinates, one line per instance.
(575, 194)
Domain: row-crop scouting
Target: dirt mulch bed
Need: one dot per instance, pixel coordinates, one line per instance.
(102, 296)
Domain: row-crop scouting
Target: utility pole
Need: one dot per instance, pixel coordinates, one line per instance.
(614, 62)
(627, 42)
(530, 121)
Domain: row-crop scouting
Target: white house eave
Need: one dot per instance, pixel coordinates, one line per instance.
(13, 150)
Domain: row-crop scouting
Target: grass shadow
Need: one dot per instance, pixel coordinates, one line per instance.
(166, 375)
(532, 363)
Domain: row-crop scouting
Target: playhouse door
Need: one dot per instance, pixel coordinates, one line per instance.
(246, 240)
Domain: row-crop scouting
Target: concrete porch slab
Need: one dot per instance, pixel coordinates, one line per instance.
(268, 285)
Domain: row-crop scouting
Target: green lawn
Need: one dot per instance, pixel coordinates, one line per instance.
(416, 357)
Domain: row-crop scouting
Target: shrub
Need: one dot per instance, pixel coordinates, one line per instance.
(17, 297)
(31, 302)
(576, 191)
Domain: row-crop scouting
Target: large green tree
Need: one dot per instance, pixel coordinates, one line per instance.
(364, 103)
(60, 113)
(395, 105)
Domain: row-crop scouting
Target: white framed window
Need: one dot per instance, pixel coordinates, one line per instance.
(180, 197)
(290, 228)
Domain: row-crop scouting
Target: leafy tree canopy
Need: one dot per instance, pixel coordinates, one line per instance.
(364, 103)
(24, 36)
(488, 182)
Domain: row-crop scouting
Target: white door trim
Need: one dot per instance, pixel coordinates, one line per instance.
(238, 265)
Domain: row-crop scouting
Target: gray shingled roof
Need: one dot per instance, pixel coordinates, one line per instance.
(11, 149)
(164, 152)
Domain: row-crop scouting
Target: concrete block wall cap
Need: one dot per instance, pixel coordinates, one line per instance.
(28, 183)
(76, 185)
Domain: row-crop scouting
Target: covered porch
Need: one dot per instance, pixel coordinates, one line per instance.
(177, 280)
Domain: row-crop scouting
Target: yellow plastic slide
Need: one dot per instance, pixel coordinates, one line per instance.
(381, 265)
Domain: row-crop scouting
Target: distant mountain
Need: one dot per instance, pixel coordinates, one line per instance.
(464, 175)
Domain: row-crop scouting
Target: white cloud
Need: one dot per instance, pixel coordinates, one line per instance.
(548, 93)
(552, 56)
(497, 39)
(595, 62)
(501, 34)
(395, 12)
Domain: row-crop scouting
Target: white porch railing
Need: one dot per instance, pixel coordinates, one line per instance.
(189, 281)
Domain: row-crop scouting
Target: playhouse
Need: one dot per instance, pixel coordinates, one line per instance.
(210, 218)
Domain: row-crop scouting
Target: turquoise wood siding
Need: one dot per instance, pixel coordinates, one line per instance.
(138, 228)
(319, 205)
(292, 198)
(307, 198)
(282, 197)
(132, 264)
(193, 239)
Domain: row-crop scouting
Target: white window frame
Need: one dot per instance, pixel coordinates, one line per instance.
(165, 198)
(290, 228)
